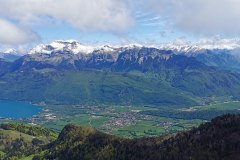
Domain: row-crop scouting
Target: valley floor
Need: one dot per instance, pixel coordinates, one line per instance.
(131, 121)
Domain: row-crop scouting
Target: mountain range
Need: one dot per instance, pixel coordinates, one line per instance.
(223, 55)
(68, 72)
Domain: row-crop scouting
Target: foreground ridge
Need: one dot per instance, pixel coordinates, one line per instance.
(218, 139)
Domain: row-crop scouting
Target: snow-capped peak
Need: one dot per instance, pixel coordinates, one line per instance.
(60, 45)
(10, 51)
(133, 45)
(186, 48)
(182, 47)
(77, 47)
(201, 45)
(10, 54)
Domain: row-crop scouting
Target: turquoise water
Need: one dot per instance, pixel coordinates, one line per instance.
(16, 109)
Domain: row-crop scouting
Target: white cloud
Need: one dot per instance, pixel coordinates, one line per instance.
(12, 34)
(86, 15)
(200, 17)
(207, 17)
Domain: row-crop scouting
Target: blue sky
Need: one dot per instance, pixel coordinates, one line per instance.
(148, 28)
(26, 22)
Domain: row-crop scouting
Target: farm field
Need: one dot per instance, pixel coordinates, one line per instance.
(131, 121)
(139, 121)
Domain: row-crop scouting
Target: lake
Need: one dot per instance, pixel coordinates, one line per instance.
(17, 109)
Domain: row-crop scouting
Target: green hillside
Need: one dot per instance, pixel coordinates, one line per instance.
(167, 88)
(22, 140)
(91, 86)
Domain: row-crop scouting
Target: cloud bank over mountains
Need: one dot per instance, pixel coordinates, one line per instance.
(18, 18)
